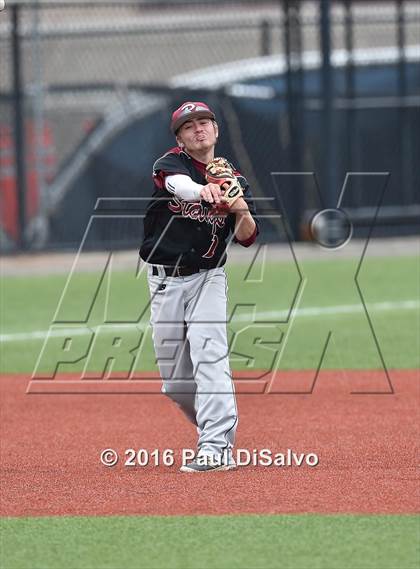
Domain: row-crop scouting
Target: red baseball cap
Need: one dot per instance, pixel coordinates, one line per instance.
(190, 110)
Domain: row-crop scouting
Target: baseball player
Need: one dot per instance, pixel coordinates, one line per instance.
(198, 205)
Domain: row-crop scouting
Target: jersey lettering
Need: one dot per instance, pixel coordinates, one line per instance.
(214, 242)
(197, 212)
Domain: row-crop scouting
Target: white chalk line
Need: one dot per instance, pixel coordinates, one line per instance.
(309, 312)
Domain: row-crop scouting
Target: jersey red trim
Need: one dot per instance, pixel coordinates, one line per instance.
(160, 175)
(159, 178)
(250, 240)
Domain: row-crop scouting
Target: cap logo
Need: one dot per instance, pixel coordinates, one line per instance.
(188, 107)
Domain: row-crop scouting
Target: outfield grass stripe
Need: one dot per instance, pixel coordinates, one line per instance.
(225, 542)
(310, 311)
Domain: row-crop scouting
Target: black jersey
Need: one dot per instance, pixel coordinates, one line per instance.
(184, 232)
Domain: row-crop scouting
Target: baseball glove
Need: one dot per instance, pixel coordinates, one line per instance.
(220, 172)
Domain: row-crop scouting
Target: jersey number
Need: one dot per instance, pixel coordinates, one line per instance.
(212, 248)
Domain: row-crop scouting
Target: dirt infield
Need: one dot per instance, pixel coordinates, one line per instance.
(366, 444)
(62, 262)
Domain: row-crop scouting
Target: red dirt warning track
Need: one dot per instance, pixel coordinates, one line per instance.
(366, 446)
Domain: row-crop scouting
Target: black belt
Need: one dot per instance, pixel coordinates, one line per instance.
(176, 271)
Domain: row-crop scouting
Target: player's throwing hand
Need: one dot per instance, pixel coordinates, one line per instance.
(211, 193)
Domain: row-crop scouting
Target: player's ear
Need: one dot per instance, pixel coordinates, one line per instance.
(179, 142)
(216, 128)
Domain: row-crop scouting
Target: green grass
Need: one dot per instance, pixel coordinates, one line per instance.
(29, 304)
(290, 541)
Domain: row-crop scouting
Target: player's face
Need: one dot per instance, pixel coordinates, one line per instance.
(198, 135)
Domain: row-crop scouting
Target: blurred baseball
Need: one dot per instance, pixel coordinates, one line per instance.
(2, 5)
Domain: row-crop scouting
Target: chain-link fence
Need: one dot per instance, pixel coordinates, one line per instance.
(86, 89)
